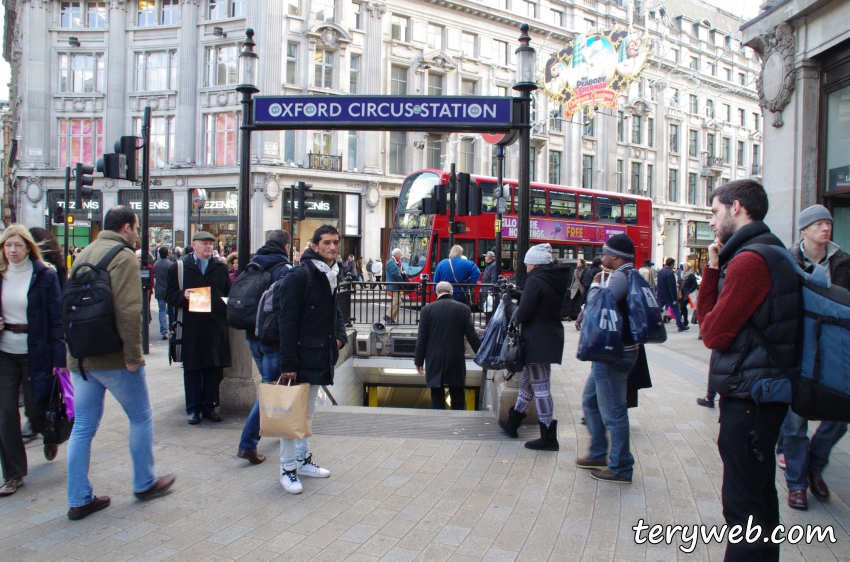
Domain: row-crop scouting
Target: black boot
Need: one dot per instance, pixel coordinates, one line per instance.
(513, 422)
(548, 438)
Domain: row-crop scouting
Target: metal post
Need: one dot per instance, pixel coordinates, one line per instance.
(65, 215)
(145, 247)
(244, 239)
(523, 190)
(452, 225)
(292, 224)
(500, 171)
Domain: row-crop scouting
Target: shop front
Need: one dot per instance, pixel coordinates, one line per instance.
(160, 214)
(835, 126)
(700, 236)
(86, 226)
(340, 210)
(218, 217)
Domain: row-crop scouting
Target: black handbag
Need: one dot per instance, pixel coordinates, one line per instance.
(57, 426)
(512, 353)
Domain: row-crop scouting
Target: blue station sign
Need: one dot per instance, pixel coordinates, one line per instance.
(411, 112)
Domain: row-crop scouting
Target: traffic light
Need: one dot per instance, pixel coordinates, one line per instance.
(436, 204)
(57, 214)
(302, 199)
(127, 147)
(462, 194)
(83, 178)
(475, 197)
(113, 166)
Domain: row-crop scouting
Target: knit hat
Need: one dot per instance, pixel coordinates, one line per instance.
(620, 246)
(540, 254)
(812, 215)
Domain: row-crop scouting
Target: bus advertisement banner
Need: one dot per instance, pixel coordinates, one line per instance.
(562, 231)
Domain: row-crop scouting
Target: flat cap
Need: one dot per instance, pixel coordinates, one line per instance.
(203, 235)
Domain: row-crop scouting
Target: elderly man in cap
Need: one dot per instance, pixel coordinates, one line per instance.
(206, 336)
(488, 276)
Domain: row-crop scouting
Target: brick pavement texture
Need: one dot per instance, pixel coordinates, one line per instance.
(406, 498)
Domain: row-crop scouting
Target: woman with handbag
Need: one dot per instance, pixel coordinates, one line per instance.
(32, 345)
(539, 313)
(458, 270)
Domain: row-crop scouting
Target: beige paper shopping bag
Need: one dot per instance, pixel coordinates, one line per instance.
(285, 410)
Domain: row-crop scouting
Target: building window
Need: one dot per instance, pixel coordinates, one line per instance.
(674, 138)
(167, 12)
(589, 124)
(554, 167)
(324, 69)
(693, 143)
(709, 109)
(742, 78)
(289, 146)
(96, 15)
(435, 85)
(221, 9)
(710, 137)
(157, 72)
(694, 65)
(81, 73)
(401, 28)
(727, 110)
(291, 63)
(527, 8)
(80, 140)
(398, 81)
(694, 104)
(435, 151)
(71, 15)
(674, 54)
(322, 142)
(238, 8)
(398, 152)
(221, 142)
(532, 163)
(674, 97)
(324, 10)
(587, 171)
(621, 125)
(435, 36)
(556, 119)
(222, 66)
(468, 42)
(352, 150)
(636, 129)
(170, 14)
(673, 185)
(742, 117)
(756, 158)
(501, 52)
(355, 10)
(713, 67)
(146, 13)
(650, 190)
(467, 87)
(467, 156)
(726, 150)
(636, 177)
(692, 189)
(502, 91)
(162, 140)
(620, 176)
(354, 75)
(757, 121)
(292, 7)
(556, 18)
(741, 161)
(589, 25)
(728, 74)
(709, 189)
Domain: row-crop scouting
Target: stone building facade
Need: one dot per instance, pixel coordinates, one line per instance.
(84, 71)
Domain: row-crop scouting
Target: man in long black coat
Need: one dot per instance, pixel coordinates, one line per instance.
(206, 336)
(439, 346)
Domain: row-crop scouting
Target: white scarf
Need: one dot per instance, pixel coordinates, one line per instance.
(332, 273)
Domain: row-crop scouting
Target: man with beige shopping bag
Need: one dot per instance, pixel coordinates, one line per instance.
(311, 335)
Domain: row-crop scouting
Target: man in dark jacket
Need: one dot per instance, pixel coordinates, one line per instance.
(206, 335)
(589, 273)
(805, 460)
(272, 257)
(160, 276)
(689, 285)
(742, 292)
(311, 334)
(488, 276)
(668, 292)
(539, 312)
(439, 346)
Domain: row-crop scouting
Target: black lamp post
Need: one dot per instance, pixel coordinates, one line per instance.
(248, 77)
(525, 84)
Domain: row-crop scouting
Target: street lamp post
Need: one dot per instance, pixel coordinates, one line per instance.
(525, 69)
(248, 78)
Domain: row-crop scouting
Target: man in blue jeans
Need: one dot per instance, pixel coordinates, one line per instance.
(604, 401)
(272, 256)
(668, 292)
(160, 276)
(122, 372)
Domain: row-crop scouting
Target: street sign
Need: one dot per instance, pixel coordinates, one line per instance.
(319, 112)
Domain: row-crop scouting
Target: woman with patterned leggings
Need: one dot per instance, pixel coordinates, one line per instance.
(539, 313)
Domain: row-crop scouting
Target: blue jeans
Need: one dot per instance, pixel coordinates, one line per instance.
(676, 312)
(801, 455)
(291, 449)
(604, 403)
(164, 317)
(268, 362)
(131, 391)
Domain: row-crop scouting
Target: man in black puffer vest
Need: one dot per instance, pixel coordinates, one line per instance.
(741, 293)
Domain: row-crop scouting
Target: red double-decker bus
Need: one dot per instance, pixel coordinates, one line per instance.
(575, 221)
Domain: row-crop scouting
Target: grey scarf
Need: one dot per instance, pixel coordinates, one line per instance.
(331, 273)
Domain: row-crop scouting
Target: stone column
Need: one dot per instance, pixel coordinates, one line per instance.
(238, 390)
(34, 129)
(187, 89)
(807, 97)
(371, 77)
(116, 75)
(269, 27)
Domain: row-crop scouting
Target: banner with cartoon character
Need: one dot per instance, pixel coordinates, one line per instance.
(595, 68)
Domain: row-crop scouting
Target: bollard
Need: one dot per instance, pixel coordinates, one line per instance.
(238, 390)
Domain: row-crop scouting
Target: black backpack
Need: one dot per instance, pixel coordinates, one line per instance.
(268, 315)
(245, 295)
(88, 314)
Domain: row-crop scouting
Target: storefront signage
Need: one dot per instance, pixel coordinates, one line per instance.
(219, 202)
(699, 234)
(543, 229)
(312, 112)
(321, 206)
(159, 204)
(93, 205)
(352, 215)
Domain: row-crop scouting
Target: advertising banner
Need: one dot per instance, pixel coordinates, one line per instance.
(595, 68)
(563, 231)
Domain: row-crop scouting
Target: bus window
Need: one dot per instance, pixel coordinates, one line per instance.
(415, 187)
(509, 255)
(489, 199)
(538, 203)
(484, 246)
(569, 252)
(630, 213)
(609, 209)
(562, 205)
(433, 257)
(467, 245)
(414, 248)
(585, 207)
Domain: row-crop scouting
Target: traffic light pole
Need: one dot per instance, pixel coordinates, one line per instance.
(292, 224)
(500, 195)
(65, 215)
(524, 190)
(452, 223)
(145, 240)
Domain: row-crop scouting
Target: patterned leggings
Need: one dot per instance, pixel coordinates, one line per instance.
(535, 384)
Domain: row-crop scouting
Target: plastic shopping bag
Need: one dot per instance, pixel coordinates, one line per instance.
(645, 320)
(491, 343)
(600, 332)
(67, 388)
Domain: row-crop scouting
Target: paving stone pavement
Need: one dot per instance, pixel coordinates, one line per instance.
(404, 498)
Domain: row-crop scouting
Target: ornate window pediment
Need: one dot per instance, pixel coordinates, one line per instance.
(328, 36)
(439, 59)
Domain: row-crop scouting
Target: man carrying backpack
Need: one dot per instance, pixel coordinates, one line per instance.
(668, 292)
(272, 257)
(206, 336)
(121, 371)
(805, 460)
(744, 301)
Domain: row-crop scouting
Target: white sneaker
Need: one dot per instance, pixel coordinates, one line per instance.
(780, 460)
(289, 480)
(308, 468)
